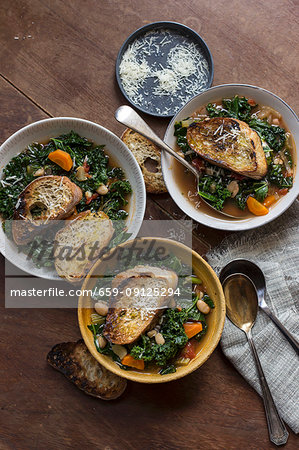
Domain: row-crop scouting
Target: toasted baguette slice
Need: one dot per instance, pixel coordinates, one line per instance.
(74, 254)
(229, 143)
(42, 201)
(148, 156)
(79, 366)
(130, 316)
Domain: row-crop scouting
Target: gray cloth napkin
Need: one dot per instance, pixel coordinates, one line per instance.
(275, 248)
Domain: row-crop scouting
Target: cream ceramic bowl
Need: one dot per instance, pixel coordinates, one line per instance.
(208, 342)
(215, 220)
(42, 131)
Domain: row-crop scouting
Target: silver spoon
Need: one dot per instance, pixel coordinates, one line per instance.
(257, 277)
(129, 117)
(241, 309)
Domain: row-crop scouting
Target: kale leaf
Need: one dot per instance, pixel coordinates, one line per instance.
(247, 187)
(238, 108)
(260, 190)
(97, 330)
(175, 339)
(212, 189)
(181, 135)
(276, 176)
(272, 134)
(167, 370)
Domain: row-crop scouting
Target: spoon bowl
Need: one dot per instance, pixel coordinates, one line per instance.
(241, 301)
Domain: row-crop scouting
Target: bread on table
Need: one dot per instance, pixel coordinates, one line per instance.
(148, 156)
(74, 360)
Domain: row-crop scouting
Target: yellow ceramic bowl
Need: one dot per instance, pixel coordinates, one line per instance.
(208, 342)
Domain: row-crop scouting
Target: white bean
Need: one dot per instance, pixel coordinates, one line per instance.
(102, 190)
(159, 339)
(88, 195)
(39, 172)
(233, 187)
(102, 342)
(101, 308)
(203, 307)
(198, 292)
(81, 174)
(152, 333)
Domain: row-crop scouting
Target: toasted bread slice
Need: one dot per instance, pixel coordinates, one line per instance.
(140, 303)
(79, 366)
(80, 242)
(229, 143)
(148, 156)
(42, 201)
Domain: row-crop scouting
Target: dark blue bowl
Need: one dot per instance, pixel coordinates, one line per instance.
(180, 32)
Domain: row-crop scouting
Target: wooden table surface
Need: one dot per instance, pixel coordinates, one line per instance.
(58, 59)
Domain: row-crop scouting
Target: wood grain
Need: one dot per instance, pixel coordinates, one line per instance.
(63, 64)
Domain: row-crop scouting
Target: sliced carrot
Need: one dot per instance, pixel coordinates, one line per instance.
(257, 208)
(191, 329)
(128, 360)
(283, 191)
(269, 200)
(62, 159)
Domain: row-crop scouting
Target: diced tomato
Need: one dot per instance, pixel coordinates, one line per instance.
(91, 198)
(86, 166)
(189, 349)
(251, 102)
(198, 164)
(283, 191)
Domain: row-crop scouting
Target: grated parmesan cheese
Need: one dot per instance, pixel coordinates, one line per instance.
(175, 74)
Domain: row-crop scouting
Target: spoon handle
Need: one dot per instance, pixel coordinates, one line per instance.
(293, 341)
(128, 117)
(277, 430)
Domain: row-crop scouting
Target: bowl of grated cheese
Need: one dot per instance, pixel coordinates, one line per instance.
(161, 66)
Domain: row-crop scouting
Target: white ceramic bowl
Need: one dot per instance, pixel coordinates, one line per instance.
(261, 96)
(44, 130)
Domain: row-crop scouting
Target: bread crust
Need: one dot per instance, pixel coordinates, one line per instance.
(77, 364)
(143, 149)
(229, 143)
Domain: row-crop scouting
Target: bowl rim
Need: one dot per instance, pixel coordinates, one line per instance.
(154, 378)
(141, 193)
(229, 225)
(157, 25)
